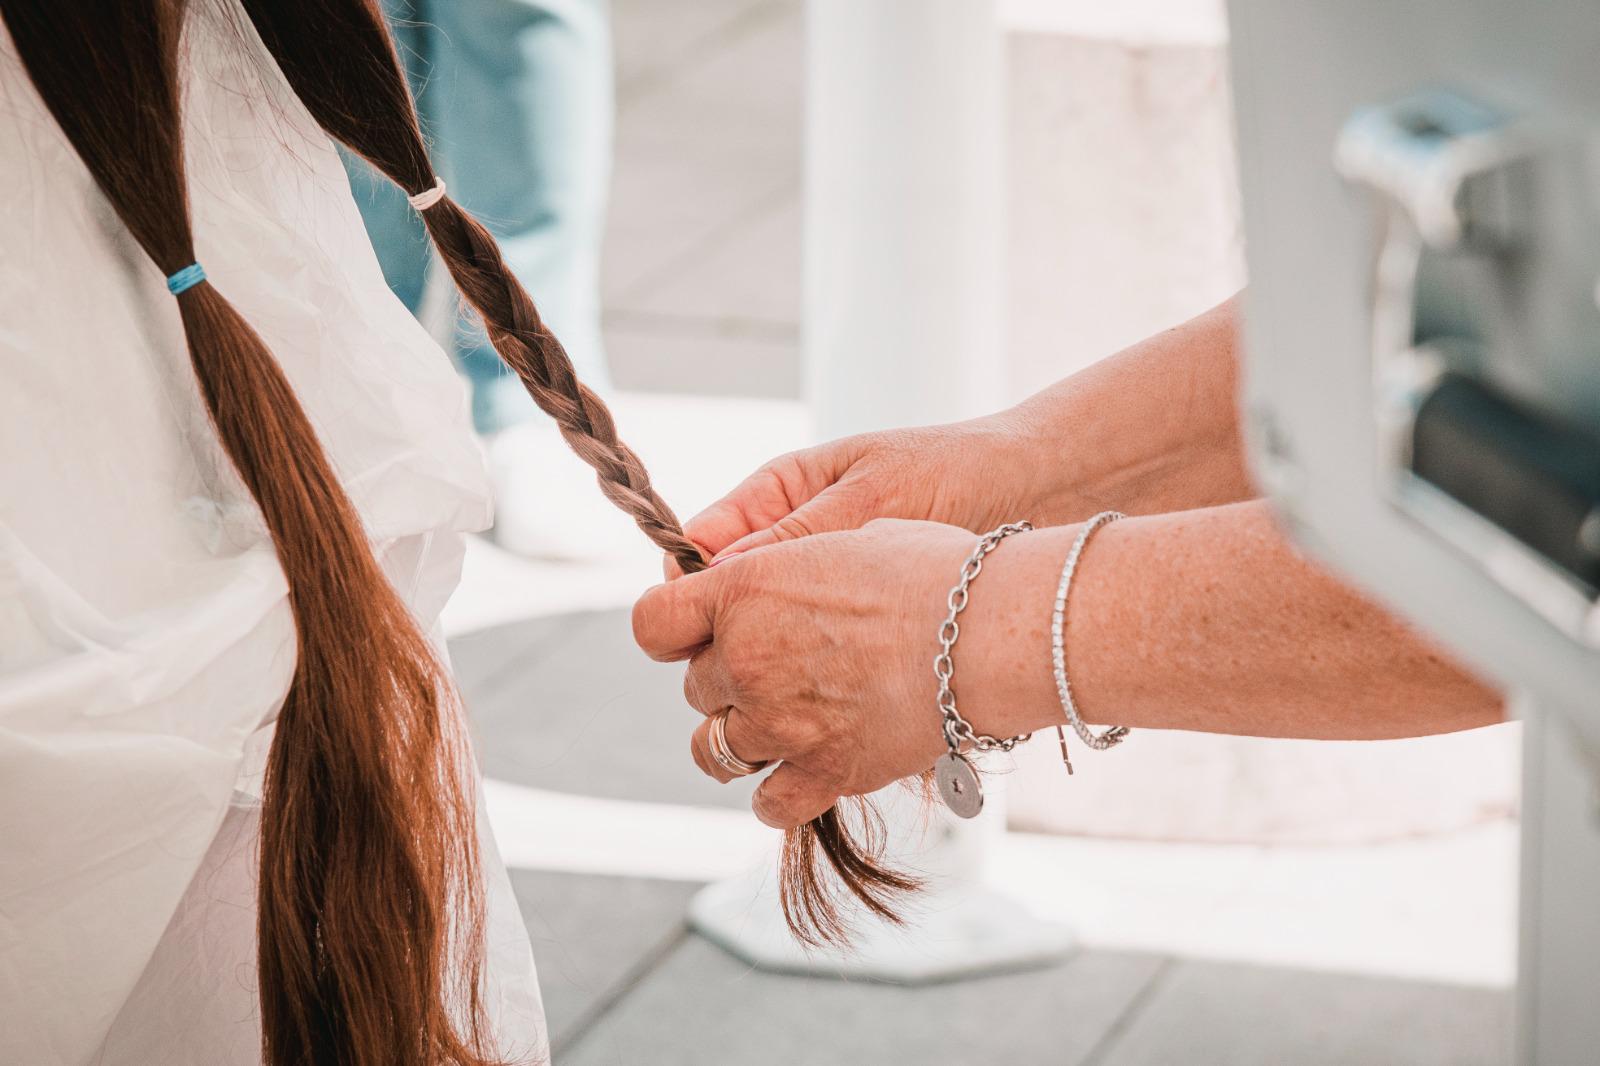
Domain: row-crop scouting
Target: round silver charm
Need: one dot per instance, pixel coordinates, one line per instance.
(958, 785)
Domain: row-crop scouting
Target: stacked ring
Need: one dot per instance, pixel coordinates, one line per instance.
(723, 754)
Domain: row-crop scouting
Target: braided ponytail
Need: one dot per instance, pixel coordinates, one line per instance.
(370, 911)
(341, 62)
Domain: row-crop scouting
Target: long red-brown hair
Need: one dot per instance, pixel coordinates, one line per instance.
(370, 908)
(370, 899)
(341, 61)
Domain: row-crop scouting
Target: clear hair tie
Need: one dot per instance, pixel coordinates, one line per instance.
(428, 197)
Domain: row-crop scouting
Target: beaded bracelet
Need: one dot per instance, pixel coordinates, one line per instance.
(1058, 647)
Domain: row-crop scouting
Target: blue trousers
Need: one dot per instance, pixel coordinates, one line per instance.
(516, 100)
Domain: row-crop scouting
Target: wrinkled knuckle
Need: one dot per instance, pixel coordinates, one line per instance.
(774, 477)
(754, 726)
(874, 499)
(737, 583)
(789, 468)
(774, 728)
(703, 682)
(833, 765)
(799, 733)
(739, 662)
(793, 527)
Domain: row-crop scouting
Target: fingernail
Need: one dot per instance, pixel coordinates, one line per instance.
(723, 559)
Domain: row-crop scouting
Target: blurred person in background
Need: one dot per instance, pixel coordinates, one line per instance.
(516, 97)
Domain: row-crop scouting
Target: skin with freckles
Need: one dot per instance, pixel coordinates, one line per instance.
(815, 631)
(1148, 430)
(818, 658)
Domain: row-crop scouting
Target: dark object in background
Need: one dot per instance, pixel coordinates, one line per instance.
(1537, 479)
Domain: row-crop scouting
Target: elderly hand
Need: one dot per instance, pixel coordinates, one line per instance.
(820, 651)
(1153, 429)
(974, 474)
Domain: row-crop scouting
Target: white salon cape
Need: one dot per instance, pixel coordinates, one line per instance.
(145, 637)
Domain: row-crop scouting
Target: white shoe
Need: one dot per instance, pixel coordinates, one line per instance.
(546, 500)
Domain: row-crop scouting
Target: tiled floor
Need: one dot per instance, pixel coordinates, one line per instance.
(701, 288)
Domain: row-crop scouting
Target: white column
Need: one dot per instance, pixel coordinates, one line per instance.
(903, 212)
(904, 221)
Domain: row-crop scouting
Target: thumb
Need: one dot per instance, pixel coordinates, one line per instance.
(674, 620)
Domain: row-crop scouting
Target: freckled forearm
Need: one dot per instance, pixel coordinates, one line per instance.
(1204, 620)
(1151, 429)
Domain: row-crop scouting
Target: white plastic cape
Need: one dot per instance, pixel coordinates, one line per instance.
(145, 638)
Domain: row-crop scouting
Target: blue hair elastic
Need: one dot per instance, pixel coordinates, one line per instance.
(186, 279)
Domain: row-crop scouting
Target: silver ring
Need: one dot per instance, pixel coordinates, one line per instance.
(723, 754)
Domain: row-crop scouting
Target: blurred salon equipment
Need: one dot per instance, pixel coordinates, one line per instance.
(1422, 217)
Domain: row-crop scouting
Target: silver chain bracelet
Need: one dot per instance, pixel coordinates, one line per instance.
(958, 782)
(1058, 647)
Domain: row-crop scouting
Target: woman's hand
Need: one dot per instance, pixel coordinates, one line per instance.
(975, 475)
(820, 651)
(1149, 430)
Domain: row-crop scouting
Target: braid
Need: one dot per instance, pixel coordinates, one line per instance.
(539, 360)
(340, 60)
